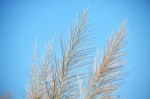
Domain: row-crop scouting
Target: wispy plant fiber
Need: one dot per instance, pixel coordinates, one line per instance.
(109, 72)
(61, 78)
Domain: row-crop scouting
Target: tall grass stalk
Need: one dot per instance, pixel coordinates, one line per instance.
(61, 78)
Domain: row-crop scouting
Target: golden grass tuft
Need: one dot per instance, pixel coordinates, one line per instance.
(109, 70)
(61, 78)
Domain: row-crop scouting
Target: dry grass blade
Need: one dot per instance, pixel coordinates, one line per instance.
(61, 79)
(107, 77)
(38, 87)
(44, 75)
(33, 91)
(74, 56)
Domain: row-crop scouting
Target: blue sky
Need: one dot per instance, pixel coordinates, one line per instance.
(21, 20)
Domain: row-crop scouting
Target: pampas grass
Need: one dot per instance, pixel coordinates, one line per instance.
(61, 78)
(109, 70)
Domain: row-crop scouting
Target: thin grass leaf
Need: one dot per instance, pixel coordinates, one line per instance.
(107, 77)
(75, 55)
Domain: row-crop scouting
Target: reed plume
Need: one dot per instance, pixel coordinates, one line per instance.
(61, 78)
(33, 91)
(109, 72)
(74, 56)
(40, 78)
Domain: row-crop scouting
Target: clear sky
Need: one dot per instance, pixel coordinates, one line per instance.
(21, 20)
